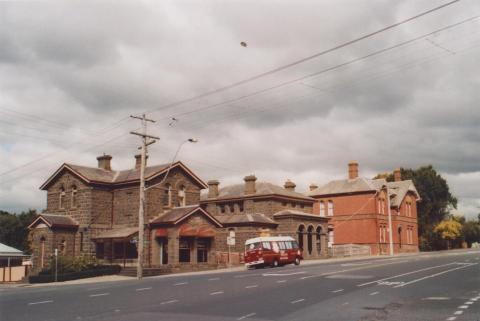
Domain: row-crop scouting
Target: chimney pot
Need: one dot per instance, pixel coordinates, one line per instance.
(289, 186)
(138, 161)
(397, 174)
(104, 162)
(352, 170)
(250, 184)
(313, 187)
(213, 188)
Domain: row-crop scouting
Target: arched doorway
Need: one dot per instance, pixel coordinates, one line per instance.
(300, 232)
(310, 239)
(318, 233)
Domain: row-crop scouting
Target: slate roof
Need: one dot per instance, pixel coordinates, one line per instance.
(344, 186)
(262, 189)
(54, 220)
(117, 233)
(299, 214)
(246, 219)
(177, 214)
(398, 191)
(6, 250)
(99, 175)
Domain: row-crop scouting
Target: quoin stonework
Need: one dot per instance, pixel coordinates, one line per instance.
(94, 212)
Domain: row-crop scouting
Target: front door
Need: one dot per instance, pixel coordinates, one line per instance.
(163, 252)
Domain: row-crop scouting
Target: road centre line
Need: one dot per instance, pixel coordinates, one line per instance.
(283, 274)
(246, 275)
(168, 302)
(281, 281)
(451, 318)
(458, 312)
(40, 302)
(214, 279)
(246, 316)
(216, 293)
(469, 302)
(143, 289)
(251, 286)
(434, 275)
(463, 307)
(297, 301)
(99, 294)
(336, 291)
(408, 273)
(180, 283)
(374, 293)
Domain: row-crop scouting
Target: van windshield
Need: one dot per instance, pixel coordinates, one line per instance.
(253, 246)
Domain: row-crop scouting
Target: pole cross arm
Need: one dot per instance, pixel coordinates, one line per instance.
(145, 135)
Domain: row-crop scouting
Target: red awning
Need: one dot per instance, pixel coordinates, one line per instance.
(198, 231)
(161, 232)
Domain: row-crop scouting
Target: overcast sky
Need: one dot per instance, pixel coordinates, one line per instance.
(71, 74)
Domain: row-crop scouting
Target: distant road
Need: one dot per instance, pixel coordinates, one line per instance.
(435, 286)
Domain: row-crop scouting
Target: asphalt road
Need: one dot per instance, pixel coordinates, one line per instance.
(435, 286)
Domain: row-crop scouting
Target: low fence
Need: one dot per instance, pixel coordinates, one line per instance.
(235, 258)
(13, 273)
(346, 250)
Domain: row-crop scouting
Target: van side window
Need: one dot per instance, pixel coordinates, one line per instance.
(288, 244)
(266, 245)
(295, 244)
(282, 245)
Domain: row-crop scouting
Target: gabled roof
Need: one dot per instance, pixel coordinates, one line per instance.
(117, 233)
(179, 214)
(261, 189)
(54, 220)
(345, 186)
(101, 176)
(246, 219)
(398, 190)
(6, 250)
(298, 214)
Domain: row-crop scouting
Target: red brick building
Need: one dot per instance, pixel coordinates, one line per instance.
(359, 207)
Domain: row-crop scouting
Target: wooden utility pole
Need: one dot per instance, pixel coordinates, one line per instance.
(141, 209)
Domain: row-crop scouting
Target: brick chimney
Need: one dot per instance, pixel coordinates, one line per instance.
(352, 170)
(397, 174)
(104, 162)
(313, 187)
(289, 186)
(250, 184)
(138, 161)
(213, 188)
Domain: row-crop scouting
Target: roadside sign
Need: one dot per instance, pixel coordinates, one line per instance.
(231, 240)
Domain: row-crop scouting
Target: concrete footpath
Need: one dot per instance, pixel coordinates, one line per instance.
(116, 278)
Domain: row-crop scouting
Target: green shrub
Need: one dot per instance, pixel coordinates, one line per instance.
(96, 271)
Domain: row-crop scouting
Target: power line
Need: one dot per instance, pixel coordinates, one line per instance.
(297, 62)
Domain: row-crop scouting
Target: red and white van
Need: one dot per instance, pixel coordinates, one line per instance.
(272, 250)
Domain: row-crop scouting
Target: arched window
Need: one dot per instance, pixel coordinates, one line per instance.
(331, 238)
(400, 236)
(62, 247)
(73, 200)
(318, 233)
(182, 200)
(42, 251)
(167, 195)
(300, 232)
(330, 208)
(322, 208)
(62, 198)
(310, 239)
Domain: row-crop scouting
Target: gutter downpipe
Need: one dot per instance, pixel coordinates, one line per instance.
(390, 232)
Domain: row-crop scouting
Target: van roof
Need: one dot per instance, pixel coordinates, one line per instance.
(269, 239)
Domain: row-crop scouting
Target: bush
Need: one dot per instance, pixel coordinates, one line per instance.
(67, 264)
(45, 276)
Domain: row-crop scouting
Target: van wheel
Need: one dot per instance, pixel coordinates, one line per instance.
(297, 261)
(275, 263)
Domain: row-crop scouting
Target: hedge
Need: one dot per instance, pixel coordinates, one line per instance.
(98, 271)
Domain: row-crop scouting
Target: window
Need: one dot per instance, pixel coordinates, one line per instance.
(74, 197)
(331, 238)
(330, 208)
(231, 208)
(62, 197)
(202, 251)
(293, 205)
(167, 196)
(240, 206)
(42, 251)
(184, 251)
(322, 208)
(284, 204)
(81, 241)
(222, 208)
(266, 245)
(99, 250)
(62, 247)
(182, 201)
(282, 245)
(408, 208)
(288, 244)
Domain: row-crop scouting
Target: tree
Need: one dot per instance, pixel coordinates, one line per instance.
(449, 230)
(13, 229)
(471, 232)
(436, 203)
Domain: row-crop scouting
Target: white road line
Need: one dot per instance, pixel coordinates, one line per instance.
(434, 275)
(437, 298)
(451, 318)
(346, 303)
(214, 279)
(216, 293)
(283, 274)
(374, 293)
(117, 310)
(143, 289)
(408, 273)
(469, 302)
(169, 302)
(40, 302)
(281, 281)
(458, 312)
(251, 286)
(297, 301)
(180, 283)
(463, 307)
(336, 291)
(308, 277)
(246, 316)
(99, 294)
(245, 275)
